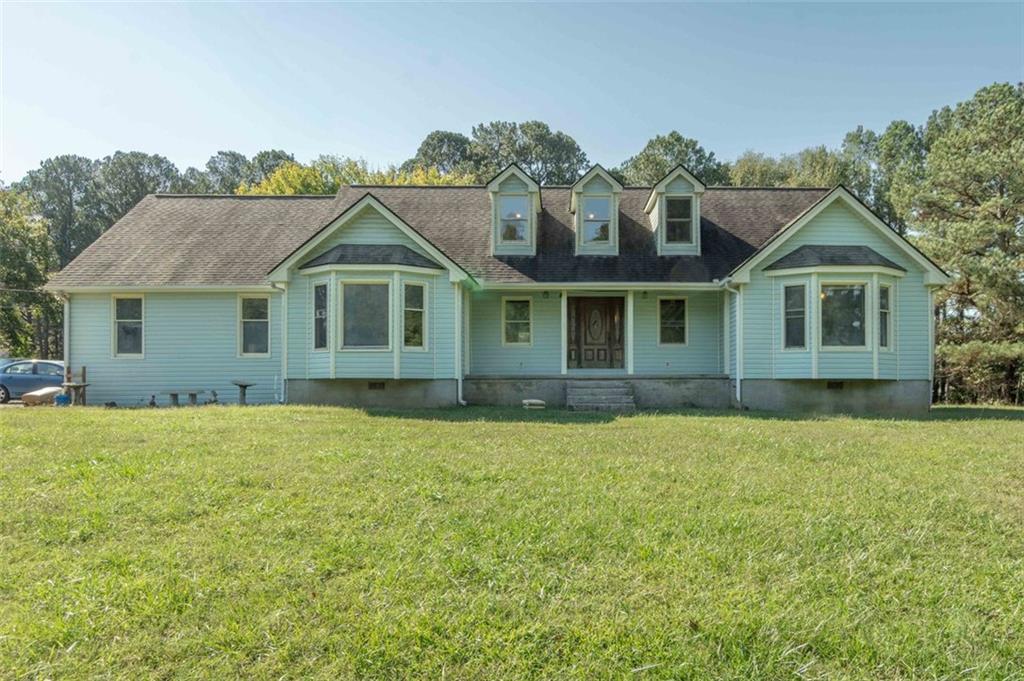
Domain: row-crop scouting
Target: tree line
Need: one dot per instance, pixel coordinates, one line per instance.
(953, 184)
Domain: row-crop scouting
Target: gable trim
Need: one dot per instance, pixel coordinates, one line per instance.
(280, 271)
(513, 169)
(595, 171)
(661, 186)
(934, 275)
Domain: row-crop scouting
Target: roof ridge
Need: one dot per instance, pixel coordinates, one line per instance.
(765, 189)
(171, 195)
(416, 186)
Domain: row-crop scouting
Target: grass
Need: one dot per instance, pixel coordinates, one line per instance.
(289, 542)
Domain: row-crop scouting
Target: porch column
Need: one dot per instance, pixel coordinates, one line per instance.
(629, 332)
(564, 296)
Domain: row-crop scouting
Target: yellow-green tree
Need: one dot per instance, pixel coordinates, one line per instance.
(327, 173)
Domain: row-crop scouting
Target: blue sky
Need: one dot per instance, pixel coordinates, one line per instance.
(185, 80)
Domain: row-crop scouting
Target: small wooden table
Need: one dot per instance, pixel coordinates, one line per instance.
(77, 391)
(242, 385)
(192, 395)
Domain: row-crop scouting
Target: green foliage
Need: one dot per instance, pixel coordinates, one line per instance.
(980, 371)
(664, 152)
(754, 169)
(327, 173)
(30, 319)
(124, 178)
(304, 542)
(64, 190)
(447, 151)
(549, 157)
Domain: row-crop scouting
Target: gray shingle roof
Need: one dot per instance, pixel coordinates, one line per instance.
(368, 254)
(171, 240)
(815, 256)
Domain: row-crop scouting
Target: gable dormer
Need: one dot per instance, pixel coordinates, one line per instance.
(674, 210)
(515, 205)
(594, 204)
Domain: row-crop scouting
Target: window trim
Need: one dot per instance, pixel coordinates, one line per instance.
(341, 316)
(890, 336)
(239, 333)
(312, 306)
(426, 323)
(113, 326)
(504, 340)
(528, 241)
(686, 322)
(807, 317)
(868, 324)
(694, 221)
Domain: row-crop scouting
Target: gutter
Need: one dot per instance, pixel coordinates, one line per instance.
(727, 285)
(284, 339)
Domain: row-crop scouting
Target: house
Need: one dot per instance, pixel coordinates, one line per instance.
(596, 294)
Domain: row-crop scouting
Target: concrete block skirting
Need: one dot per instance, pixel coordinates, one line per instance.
(897, 398)
(649, 393)
(384, 393)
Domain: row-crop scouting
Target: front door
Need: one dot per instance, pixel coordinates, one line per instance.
(596, 333)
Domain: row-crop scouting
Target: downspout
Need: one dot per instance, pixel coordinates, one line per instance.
(727, 285)
(66, 299)
(284, 340)
(458, 345)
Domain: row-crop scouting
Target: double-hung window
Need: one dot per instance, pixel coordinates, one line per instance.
(414, 335)
(597, 223)
(843, 315)
(678, 220)
(517, 321)
(128, 326)
(884, 316)
(514, 218)
(365, 315)
(320, 316)
(795, 317)
(254, 325)
(672, 321)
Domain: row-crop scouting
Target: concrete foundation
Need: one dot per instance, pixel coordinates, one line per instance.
(896, 398)
(389, 394)
(649, 393)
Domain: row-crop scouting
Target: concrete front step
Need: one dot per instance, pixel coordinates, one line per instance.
(596, 383)
(599, 395)
(609, 399)
(598, 391)
(603, 407)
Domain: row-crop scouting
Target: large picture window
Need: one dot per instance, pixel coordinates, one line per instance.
(320, 317)
(678, 220)
(128, 326)
(414, 316)
(795, 312)
(842, 315)
(514, 216)
(517, 321)
(672, 321)
(884, 315)
(255, 325)
(596, 220)
(365, 315)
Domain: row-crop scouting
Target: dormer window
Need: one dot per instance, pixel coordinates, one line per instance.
(514, 210)
(678, 220)
(597, 219)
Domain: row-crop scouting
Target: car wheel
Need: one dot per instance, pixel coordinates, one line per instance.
(5, 394)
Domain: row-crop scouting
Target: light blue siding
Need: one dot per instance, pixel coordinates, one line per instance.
(490, 358)
(368, 227)
(597, 185)
(702, 353)
(191, 341)
(762, 310)
(679, 185)
(513, 185)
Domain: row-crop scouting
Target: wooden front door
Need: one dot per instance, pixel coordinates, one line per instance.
(596, 333)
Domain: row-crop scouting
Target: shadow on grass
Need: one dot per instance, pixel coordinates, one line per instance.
(565, 416)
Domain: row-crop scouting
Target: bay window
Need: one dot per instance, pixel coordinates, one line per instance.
(365, 315)
(843, 316)
(884, 316)
(414, 304)
(320, 317)
(795, 317)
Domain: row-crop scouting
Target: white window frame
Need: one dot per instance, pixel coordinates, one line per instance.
(504, 301)
(239, 328)
(807, 316)
(686, 322)
(868, 323)
(341, 315)
(890, 336)
(113, 326)
(694, 221)
(426, 320)
(581, 243)
(312, 315)
(498, 218)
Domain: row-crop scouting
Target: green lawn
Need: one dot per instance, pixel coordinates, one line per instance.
(276, 542)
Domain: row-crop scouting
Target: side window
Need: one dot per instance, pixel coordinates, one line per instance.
(517, 321)
(255, 325)
(128, 326)
(46, 369)
(884, 315)
(19, 369)
(795, 312)
(672, 321)
(414, 298)
(320, 317)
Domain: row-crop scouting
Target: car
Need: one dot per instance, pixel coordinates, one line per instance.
(23, 376)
